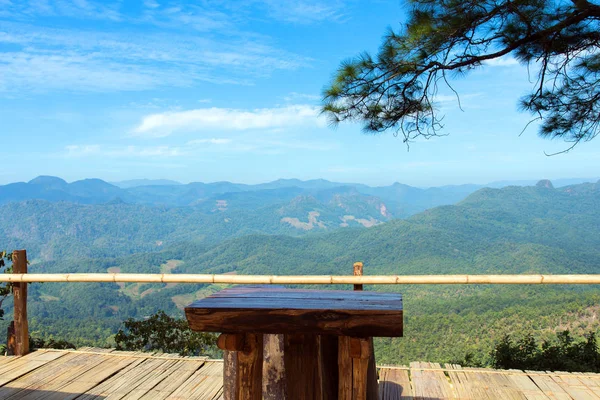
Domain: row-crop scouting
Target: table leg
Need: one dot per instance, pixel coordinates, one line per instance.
(301, 355)
(274, 382)
(229, 375)
(328, 366)
(353, 362)
(248, 349)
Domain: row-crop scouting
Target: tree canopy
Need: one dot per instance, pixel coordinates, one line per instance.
(5, 289)
(396, 89)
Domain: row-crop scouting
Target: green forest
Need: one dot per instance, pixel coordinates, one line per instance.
(534, 229)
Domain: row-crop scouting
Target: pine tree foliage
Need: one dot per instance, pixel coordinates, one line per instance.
(5, 288)
(562, 354)
(557, 40)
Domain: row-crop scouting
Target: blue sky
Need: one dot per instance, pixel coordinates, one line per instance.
(209, 91)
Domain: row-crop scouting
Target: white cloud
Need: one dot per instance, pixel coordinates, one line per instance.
(151, 4)
(209, 141)
(196, 147)
(295, 96)
(164, 124)
(305, 11)
(76, 151)
(44, 59)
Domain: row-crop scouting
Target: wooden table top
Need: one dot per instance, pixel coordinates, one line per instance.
(280, 310)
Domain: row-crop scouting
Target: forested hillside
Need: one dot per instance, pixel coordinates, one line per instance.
(510, 230)
(401, 200)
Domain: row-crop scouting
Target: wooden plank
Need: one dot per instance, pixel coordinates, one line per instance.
(34, 355)
(301, 358)
(590, 383)
(75, 383)
(328, 366)
(24, 365)
(430, 384)
(205, 383)
(276, 293)
(383, 323)
(463, 386)
(19, 266)
(249, 371)
(274, 373)
(499, 386)
(230, 375)
(148, 382)
(344, 369)
(526, 386)
(574, 387)
(259, 303)
(394, 384)
(119, 385)
(547, 385)
(179, 375)
(48, 376)
(360, 366)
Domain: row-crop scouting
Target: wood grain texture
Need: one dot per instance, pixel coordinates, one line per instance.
(288, 311)
(231, 341)
(344, 369)
(11, 341)
(301, 366)
(274, 373)
(360, 366)
(99, 373)
(358, 271)
(249, 368)
(230, 375)
(19, 260)
(323, 322)
(328, 366)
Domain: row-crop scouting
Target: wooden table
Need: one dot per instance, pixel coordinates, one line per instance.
(294, 343)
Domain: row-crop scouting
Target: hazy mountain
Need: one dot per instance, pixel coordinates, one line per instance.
(51, 230)
(531, 182)
(536, 229)
(514, 229)
(145, 182)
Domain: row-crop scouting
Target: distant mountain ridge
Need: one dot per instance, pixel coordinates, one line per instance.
(400, 200)
(54, 229)
(278, 230)
(145, 182)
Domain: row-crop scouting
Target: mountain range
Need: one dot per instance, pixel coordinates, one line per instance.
(298, 230)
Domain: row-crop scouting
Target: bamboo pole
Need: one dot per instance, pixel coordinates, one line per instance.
(528, 279)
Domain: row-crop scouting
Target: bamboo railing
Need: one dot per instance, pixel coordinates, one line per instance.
(18, 332)
(517, 279)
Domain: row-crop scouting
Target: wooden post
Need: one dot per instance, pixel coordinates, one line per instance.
(19, 261)
(302, 366)
(360, 353)
(249, 372)
(10, 339)
(328, 366)
(358, 271)
(372, 384)
(274, 378)
(229, 375)
(344, 369)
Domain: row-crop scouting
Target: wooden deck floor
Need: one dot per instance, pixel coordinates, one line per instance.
(92, 373)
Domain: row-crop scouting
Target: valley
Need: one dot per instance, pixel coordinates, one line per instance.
(529, 229)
